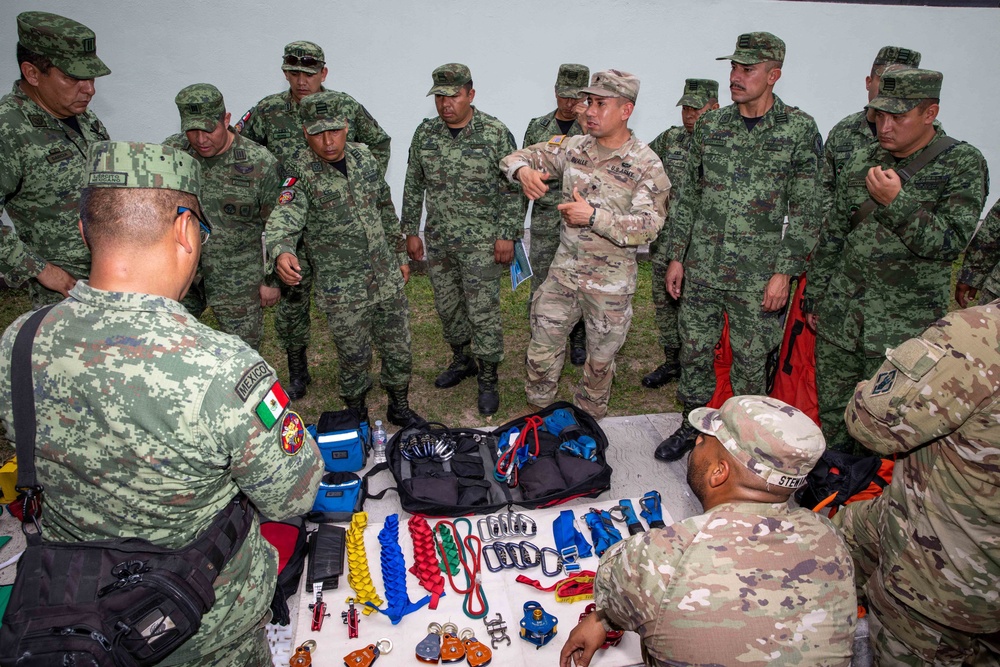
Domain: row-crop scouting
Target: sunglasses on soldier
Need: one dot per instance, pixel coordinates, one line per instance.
(304, 61)
(206, 229)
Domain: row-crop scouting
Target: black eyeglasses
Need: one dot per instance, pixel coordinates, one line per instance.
(206, 229)
(304, 61)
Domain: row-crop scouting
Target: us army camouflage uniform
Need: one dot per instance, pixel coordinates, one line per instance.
(470, 205)
(545, 218)
(239, 188)
(742, 584)
(133, 386)
(41, 174)
(727, 231)
(274, 123)
(672, 146)
(351, 230)
(887, 278)
(594, 271)
(927, 551)
(981, 267)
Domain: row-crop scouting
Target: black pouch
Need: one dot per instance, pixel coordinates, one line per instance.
(541, 478)
(472, 493)
(434, 490)
(575, 470)
(468, 466)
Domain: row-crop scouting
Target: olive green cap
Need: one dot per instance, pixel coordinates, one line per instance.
(322, 111)
(570, 79)
(303, 49)
(899, 90)
(698, 93)
(201, 107)
(892, 55)
(613, 83)
(757, 47)
(71, 46)
(449, 79)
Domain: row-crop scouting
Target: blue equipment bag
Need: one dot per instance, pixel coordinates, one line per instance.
(343, 441)
(340, 495)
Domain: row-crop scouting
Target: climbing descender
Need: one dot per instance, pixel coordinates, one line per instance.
(303, 654)
(537, 627)
(350, 618)
(318, 608)
(476, 652)
(614, 637)
(429, 648)
(497, 630)
(364, 657)
(452, 648)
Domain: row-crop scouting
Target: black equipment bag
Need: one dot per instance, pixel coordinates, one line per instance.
(465, 483)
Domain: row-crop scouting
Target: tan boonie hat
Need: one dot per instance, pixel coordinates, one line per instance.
(449, 79)
(570, 79)
(303, 56)
(891, 55)
(323, 111)
(698, 93)
(774, 440)
(71, 46)
(613, 83)
(201, 107)
(899, 90)
(757, 47)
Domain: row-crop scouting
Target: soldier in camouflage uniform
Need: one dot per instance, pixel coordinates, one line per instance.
(545, 218)
(337, 200)
(981, 267)
(927, 551)
(474, 216)
(672, 146)
(274, 123)
(881, 277)
(149, 422)
(751, 164)
(751, 581)
(45, 129)
(240, 186)
(614, 196)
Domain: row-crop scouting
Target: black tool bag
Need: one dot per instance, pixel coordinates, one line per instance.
(456, 477)
(109, 603)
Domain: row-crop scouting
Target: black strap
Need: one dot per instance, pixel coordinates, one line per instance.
(22, 397)
(937, 147)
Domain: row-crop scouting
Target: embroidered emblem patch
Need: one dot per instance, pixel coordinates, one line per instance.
(293, 433)
(251, 379)
(556, 140)
(884, 382)
(243, 168)
(289, 182)
(243, 121)
(286, 196)
(272, 406)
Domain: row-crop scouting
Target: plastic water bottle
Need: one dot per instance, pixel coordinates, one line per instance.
(379, 438)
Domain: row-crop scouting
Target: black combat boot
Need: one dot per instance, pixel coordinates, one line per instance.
(489, 397)
(578, 344)
(681, 442)
(359, 405)
(665, 372)
(399, 411)
(462, 366)
(298, 373)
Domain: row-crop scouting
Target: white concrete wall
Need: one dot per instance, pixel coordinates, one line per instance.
(382, 53)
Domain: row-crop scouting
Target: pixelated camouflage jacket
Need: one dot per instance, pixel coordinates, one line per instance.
(629, 191)
(936, 403)
(540, 130)
(239, 190)
(348, 223)
(742, 584)
(885, 280)
(274, 123)
(981, 267)
(672, 146)
(740, 186)
(41, 174)
(469, 202)
(147, 427)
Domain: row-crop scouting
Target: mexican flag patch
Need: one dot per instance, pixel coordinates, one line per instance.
(289, 182)
(273, 405)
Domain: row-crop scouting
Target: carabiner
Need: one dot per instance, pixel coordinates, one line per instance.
(487, 548)
(486, 535)
(516, 555)
(541, 558)
(527, 548)
(528, 527)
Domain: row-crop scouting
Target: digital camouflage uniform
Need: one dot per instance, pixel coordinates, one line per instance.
(594, 271)
(352, 233)
(470, 205)
(274, 123)
(927, 551)
(41, 161)
(239, 189)
(882, 280)
(981, 266)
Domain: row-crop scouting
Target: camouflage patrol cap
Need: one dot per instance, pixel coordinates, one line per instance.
(900, 90)
(71, 46)
(757, 47)
(891, 55)
(613, 83)
(570, 79)
(201, 107)
(449, 79)
(295, 51)
(698, 92)
(323, 111)
(774, 440)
